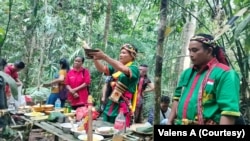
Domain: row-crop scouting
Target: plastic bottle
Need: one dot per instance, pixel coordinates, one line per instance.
(120, 123)
(58, 104)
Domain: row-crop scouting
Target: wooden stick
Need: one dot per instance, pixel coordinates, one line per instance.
(90, 131)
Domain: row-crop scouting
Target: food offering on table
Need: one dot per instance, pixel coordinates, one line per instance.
(66, 127)
(56, 116)
(83, 125)
(79, 130)
(23, 109)
(106, 131)
(38, 108)
(95, 137)
(141, 128)
(82, 112)
(38, 118)
(48, 107)
(69, 114)
(34, 114)
(48, 112)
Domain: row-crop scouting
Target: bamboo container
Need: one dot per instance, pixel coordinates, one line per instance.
(90, 130)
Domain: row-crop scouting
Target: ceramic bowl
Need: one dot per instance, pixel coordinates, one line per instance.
(95, 137)
(48, 107)
(87, 51)
(67, 126)
(38, 108)
(77, 133)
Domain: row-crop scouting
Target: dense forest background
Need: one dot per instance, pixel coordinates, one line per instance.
(40, 32)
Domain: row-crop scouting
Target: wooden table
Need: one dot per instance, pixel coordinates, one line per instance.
(55, 128)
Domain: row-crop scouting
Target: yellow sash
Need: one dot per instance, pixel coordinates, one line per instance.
(117, 74)
(134, 99)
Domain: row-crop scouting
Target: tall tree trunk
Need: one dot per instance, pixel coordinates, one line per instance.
(90, 20)
(158, 61)
(30, 43)
(42, 47)
(107, 22)
(188, 32)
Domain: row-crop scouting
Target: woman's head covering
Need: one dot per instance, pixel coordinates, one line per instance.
(208, 41)
(131, 49)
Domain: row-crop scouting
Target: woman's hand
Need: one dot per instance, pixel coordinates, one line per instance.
(46, 85)
(100, 55)
(72, 91)
(75, 95)
(169, 123)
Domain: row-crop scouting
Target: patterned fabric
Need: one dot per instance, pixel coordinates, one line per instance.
(112, 109)
(220, 95)
(142, 85)
(130, 49)
(219, 51)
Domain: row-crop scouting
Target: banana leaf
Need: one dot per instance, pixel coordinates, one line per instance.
(148, 129)
(11, 82)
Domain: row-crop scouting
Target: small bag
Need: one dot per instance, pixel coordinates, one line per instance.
(63, 94)
(117, 92)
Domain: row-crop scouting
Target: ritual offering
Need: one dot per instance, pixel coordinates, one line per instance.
(106, 131)
(38, 108)
(48, 107)
(66, 127)
(34, 114)
(87, 49)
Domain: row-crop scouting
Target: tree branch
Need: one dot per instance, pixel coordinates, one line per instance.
(138, 16)
(191, 15)
(7, 28)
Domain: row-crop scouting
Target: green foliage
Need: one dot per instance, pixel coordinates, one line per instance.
(2, 34)
(120, 22)
(8, 133)
(57, 27)
(38, 93)
(242, 26)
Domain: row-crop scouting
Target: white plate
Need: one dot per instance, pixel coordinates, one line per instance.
(34, 114)
(101, 131)
(95, 137)
(68, 125)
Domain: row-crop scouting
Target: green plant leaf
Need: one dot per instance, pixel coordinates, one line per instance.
(12, 83)
(2, 33)
(241, 26)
